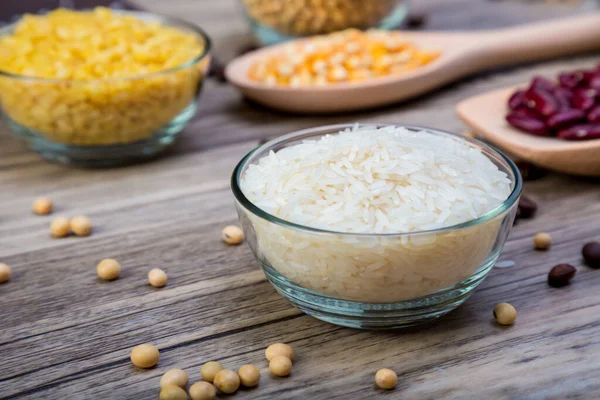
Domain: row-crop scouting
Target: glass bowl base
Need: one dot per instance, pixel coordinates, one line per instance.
(103, 156)
(361, 315)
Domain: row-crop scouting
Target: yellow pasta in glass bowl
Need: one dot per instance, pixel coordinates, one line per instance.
(100, 87)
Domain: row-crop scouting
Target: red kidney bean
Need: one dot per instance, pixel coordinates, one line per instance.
(517, 100)
(527, 123)
(594, 115)
(592, 79)
(539, 82)
(565, 118)
(580, 132)
(526, 112)
(560, 91)
(563, 97)
(541, 101)
(584, 99)
(569, 109)
(570, 80)
(586, 92)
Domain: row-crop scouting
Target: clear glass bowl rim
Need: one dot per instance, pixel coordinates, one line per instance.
(310, 132)
(147, 15)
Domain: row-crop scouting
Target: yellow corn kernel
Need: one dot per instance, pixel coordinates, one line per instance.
(378, 50)
(337, 74)
(426, 58)
(350, 55)
(359, 75)
(382, 63)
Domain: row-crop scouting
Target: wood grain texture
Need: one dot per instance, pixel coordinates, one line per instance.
(66, 335)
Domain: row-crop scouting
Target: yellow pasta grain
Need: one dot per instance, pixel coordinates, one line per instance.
(93, 66)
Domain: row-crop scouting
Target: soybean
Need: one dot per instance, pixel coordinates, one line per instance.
(81, 226)
(157, 277)
(280, 366)
(145, 355)
(210, 370)
(505, 314)
(202, 391)
(5, 273)
(232, 235)
(542, 241)
(279, 349)
(386, 379)
(60, 227)
(227, 381)
(108, 269)
(42, 206)
(176, 377)
(172, 392)
(249, 375)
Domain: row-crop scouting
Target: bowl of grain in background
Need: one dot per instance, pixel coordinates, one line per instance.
(275, 21)
(100, 87)
(376, 226)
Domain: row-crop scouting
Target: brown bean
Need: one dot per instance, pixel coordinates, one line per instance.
(560, 275)
(247, 49)
(416, 21)
(529, 171)
(527, 206)
(591, 254)
(217, 70)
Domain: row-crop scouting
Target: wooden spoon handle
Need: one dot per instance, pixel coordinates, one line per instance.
(540, 41)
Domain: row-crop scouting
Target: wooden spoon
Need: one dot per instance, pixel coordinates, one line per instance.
(463, 53)
(485, 115)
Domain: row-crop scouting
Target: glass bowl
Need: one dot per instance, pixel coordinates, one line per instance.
(275, 21)
(105, 122)
(389, 280)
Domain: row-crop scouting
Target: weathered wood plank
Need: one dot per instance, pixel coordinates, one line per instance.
(64, 334)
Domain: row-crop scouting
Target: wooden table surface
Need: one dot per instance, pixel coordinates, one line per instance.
(66, 335)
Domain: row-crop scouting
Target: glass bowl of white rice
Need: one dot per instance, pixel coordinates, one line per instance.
(376, 226)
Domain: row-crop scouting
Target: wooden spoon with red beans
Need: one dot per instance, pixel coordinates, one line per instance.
(568, 109)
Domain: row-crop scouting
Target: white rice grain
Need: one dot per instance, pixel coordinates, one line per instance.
(369, 180)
